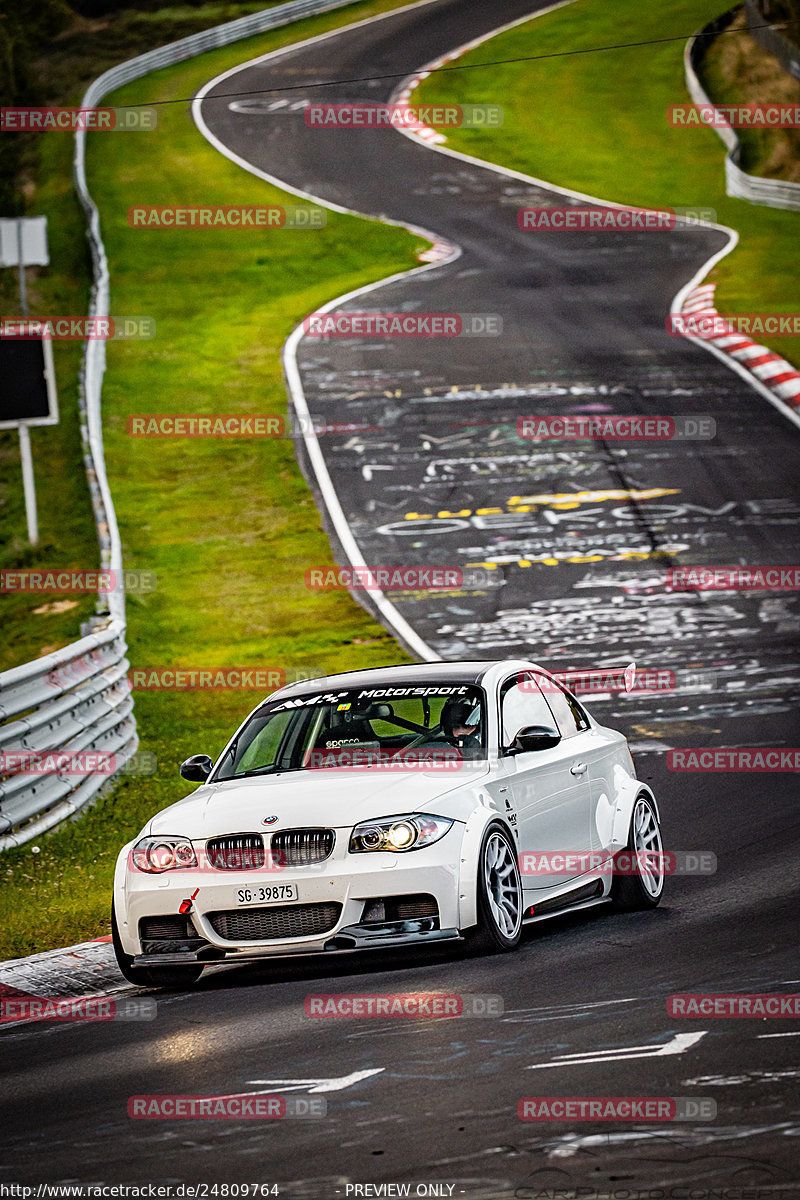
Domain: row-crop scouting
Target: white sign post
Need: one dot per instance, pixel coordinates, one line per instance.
(28, 485)
(23, 243)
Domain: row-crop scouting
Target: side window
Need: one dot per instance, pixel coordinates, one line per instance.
(566, 710)
(264, 747)
(521, 704)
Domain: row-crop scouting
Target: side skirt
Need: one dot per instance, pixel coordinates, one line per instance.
(588, 896)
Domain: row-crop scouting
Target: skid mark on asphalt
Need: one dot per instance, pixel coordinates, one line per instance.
(558, 1012)
(744, 1077)
(571, 1144)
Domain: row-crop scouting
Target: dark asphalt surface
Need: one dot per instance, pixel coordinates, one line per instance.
(580, 312)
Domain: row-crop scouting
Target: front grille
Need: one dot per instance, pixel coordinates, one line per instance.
(300, 847)
(236, 852)
(280, 921)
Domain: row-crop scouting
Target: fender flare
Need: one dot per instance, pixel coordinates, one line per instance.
(474, 830)
(129, 939)
(633, 789)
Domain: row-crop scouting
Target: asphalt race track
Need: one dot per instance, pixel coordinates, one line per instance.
(585, 997)
(437, 474)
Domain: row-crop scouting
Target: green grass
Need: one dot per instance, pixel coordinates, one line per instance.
(596, 122)
(67, 534)
(228, 527)
(34, 625)
(58, 70)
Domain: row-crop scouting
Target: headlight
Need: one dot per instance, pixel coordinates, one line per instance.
(156, 854)
(410, 832)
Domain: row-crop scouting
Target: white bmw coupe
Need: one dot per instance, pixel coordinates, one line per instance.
(385, 808)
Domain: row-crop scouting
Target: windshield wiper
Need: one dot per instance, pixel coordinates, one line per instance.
(244, 774)
(273, 770)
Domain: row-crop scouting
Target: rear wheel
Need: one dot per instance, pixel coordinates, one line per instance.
(499, 925)
(639, 868)
(161, 977)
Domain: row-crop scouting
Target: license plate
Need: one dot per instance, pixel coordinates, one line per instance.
(268, 893)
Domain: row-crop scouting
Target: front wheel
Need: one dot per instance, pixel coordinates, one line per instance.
(499, 925)
(639, 868)
(161, 977)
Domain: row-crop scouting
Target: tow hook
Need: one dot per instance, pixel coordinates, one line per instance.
(186, 905)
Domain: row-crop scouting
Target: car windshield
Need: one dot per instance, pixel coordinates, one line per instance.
(407, 724)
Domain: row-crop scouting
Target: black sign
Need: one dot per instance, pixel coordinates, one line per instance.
(24, 393)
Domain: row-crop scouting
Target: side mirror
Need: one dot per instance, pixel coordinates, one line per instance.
(197, 768)
(534, 737)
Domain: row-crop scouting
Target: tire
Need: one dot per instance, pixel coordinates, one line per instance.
(174, 978)
(499, 927)
(640, 888)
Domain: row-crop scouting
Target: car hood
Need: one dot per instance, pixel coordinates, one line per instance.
(333, 798)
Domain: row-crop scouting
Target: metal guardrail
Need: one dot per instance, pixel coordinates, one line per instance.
(774, 42)
(774, 193)
(78, 699)
(67, 703)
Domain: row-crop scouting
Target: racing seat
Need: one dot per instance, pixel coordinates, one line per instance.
(353, 732)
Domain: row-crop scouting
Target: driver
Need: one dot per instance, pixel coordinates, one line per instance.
(459, 721)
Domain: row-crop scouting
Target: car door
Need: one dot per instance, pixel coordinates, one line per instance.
(595, 750)
(611, 768)
(550, 788)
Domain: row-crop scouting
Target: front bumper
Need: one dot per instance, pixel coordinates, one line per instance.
(349, 881)
(389, 935)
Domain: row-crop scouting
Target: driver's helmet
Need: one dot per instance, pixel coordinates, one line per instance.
(457, 712)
